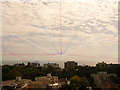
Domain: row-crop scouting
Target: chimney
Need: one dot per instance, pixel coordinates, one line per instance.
(18, 78)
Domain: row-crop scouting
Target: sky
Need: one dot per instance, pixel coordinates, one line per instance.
(85, 31)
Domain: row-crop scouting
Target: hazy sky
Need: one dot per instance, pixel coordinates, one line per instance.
(89, 31)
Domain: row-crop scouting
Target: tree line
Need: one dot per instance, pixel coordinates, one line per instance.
(9, 72)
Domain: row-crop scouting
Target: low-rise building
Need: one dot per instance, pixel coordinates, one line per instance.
(114, 65)
(49, 77)
(54, 65)
(102, 65)
(45, 82)
(102, 77)
(20, 65)
(34, 64)
(105, 65)
(38, 84)
(17, 83)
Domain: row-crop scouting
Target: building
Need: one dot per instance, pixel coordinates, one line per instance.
(55, 86)
(18, 84)
(105, 65)
(49, 77)
(102, 78)
(114, 65)
(38, 85)
(102, 65)
(34, 64)
(70, 65)
(20, 65)
(45, 82)
(54, 65)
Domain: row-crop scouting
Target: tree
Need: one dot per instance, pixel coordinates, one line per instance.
(84, 82)
(15, 73)
(113, 79)
(77, 82)
(5, 70)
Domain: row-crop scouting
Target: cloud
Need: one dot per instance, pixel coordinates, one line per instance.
(82, 23)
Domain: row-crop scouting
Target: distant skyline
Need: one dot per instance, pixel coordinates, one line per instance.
(86, 32)
(61, 63)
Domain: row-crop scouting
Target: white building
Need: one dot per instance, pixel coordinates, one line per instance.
(45, 82)
(51, 79)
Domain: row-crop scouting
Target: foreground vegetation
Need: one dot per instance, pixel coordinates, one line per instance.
(27, 72)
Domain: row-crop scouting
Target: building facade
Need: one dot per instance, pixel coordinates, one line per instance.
(70, 65)
(54, 65)
(49, 77)
(19, 83)
(102, 65)
(34, 64)
(101, 78)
